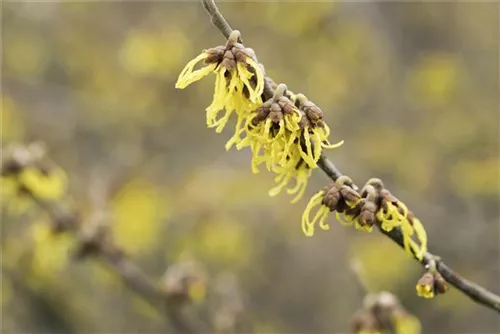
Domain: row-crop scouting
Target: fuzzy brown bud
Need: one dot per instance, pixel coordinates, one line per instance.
(440, 284)
(214, 55)
(367, 215)
(275, 116)
(349, 195)
(332, 198)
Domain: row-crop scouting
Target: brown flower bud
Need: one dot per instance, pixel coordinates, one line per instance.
(328, 187)
(304, 121)
(332, 198)
(288, 108)
(275, 116)
(283, 100)
(425, 285)
(229, 64)
(240, 55)
(262, 113)
(275, 107)
(349, 195)
(314, 114)
(214, 55)
(229, 55)
(440, 284)
(367, 215)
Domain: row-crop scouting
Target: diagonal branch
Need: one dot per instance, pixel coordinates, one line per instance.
(217, 18)
(474, 291)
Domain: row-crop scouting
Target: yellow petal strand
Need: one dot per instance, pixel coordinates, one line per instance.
(405, 209)
(221, 122)
(307, 226)
(188, 69)
(281, 131)
(317, 146)
(300, 188)
(327, 145)
(218, 100)
(277, 189)
(422, 237)
(244, 76)
(414, 248)
(308, 158)
(237, 133)
(292, 121)
(326, 130)
(322, 220)
(407, 231)
(255, 160)
(343, 219)
(259, 88)
(295, 189)
(317, 218)
(233, 84)
(187, 76)
(287, 148)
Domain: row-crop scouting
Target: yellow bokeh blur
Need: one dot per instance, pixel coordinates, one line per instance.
(139, 213)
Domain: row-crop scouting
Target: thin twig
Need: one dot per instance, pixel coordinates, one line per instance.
(216, 18)
(476, 292)
(131, 274)
(64, 219)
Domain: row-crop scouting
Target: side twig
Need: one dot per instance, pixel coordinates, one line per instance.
(476, 292)
(64, 219)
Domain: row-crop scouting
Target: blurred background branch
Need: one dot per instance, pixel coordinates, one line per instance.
(94, 240)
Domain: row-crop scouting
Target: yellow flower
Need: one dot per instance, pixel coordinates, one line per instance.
(19, 187)
(425, 286)
(337, 197)
(407, 324)
(48, 185)
(425, 291)
(272, 133)
(393, 213)
(374, 205)
(391, 216)
(15, 201)
(397, 215)
(239, 83)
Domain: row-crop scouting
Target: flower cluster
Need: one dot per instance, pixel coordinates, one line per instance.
(239, 83)
(381, 313)
(375, 205)
(288, 137)
(286, 133)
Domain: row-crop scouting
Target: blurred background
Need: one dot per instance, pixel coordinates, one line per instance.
(412, 88)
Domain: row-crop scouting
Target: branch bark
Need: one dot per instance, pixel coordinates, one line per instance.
(474, 291)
